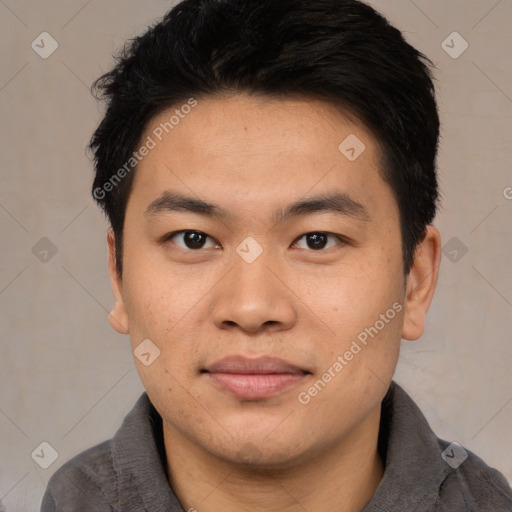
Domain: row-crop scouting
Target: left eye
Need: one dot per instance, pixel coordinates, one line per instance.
(191, 239)
(318, 241)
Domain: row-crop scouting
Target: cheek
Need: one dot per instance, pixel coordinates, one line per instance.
(166, 309)
(157, 296)
(363, 308)
(360, 292)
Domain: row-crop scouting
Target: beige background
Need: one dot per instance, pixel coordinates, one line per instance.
(68, 379)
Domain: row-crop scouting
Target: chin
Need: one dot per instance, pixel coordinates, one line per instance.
(259, 454)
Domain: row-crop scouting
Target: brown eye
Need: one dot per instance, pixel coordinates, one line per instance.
(193, 240)
(318, 240)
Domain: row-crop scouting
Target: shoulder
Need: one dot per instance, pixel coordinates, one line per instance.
(105, 477)
(87, 482)
(473, 482)
(426, 473)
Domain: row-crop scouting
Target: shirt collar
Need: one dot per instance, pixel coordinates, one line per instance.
(140, 466)
(414, 469)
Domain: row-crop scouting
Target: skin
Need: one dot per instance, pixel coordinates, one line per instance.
(252, 156)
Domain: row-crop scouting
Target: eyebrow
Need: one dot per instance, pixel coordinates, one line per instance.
(338, 202)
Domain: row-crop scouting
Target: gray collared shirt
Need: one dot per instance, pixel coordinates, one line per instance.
(128, 472)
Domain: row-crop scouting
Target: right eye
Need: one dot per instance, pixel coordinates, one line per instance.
(189, 240)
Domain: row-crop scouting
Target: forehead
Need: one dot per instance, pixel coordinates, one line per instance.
(256, 149)
(245, 123)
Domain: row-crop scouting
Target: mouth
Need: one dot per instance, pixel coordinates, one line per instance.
(254, 379)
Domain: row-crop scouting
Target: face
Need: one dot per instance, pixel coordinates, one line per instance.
(264, 263)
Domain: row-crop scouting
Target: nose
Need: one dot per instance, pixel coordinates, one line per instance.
(254, 297)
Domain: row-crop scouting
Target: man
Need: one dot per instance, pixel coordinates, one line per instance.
(268, 170)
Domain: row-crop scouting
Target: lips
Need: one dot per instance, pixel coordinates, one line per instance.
(253, 379)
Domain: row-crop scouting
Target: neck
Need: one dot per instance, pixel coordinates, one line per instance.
(343, 477)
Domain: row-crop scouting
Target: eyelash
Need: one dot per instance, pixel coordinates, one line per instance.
(342, 240)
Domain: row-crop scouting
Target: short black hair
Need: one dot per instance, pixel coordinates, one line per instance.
(340, 51)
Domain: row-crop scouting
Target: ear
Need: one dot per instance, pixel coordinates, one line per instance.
(118, 318)
(421, 284)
